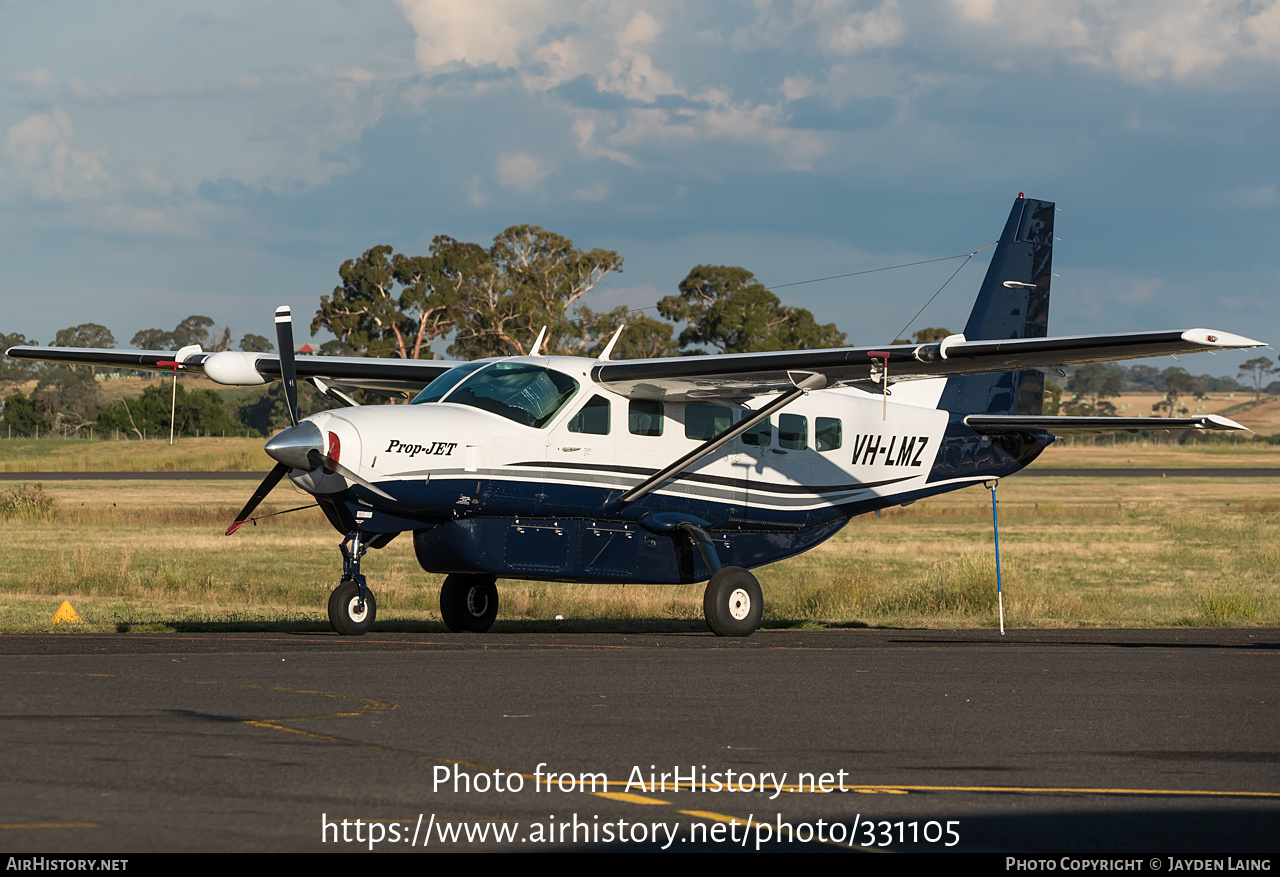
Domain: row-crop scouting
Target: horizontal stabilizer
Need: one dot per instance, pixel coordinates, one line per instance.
(994, 423)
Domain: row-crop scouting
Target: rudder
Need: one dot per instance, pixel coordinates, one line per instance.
(1012, 303)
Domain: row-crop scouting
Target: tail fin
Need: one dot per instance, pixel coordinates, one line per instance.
(1013, 303)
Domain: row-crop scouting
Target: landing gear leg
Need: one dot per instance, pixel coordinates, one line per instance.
(732, 602)
(352, 608)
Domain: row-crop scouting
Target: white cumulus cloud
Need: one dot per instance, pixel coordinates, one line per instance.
(521, 171)
(43, 164)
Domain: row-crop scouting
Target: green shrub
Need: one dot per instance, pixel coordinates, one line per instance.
(28, 502)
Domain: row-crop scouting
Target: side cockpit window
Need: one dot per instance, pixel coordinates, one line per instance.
(592, 418)
(644, 417)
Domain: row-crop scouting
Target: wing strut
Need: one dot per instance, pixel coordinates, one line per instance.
(809, 382)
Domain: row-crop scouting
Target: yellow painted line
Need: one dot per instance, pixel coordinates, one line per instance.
(1072, 791)
(1024, 790)
(628, 798)
(371, 747)
(369, 705)
(50, 825)
(714, 817)
(720, 817)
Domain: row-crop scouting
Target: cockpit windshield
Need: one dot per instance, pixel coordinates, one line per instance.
(528, 394)
(434, 391)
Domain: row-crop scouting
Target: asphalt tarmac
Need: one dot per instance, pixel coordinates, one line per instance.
(1082, 742)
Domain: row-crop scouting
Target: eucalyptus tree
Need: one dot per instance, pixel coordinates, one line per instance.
(726, 307)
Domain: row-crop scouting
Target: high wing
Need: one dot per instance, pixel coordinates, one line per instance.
(1006, 333)
(732, 375)
(750, 374)
(237, 368)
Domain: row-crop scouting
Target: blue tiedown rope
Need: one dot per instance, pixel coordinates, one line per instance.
(995, 526)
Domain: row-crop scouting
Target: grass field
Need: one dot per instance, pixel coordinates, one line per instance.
(1076, 552)
(152, 455)
(1262, 418)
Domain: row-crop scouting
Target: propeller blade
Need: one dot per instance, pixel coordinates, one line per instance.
(288, 366)
(267, 485)
(319, 460)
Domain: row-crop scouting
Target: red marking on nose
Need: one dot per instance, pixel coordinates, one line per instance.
(335, 450)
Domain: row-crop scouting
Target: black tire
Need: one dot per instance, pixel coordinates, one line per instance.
(343, 612)
(733, 604)
(469, 603)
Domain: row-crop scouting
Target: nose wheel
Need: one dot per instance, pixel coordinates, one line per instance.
(352, 608)
(469, 603)
(350, 613)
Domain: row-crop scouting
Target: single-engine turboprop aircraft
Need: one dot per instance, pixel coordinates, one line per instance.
(677, 470)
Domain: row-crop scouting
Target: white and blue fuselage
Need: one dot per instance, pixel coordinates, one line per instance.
(518, 467)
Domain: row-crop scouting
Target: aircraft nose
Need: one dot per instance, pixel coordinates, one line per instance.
(292, 446)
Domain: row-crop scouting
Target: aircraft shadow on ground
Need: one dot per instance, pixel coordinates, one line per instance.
(1032, 639)
(567, 626)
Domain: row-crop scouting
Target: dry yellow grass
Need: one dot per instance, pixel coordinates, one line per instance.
(205, 454)
(1076, 551)
(1263, 418)
(1103, 453)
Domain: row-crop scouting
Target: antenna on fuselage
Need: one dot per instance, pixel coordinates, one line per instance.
(537, 345)
(608, 348)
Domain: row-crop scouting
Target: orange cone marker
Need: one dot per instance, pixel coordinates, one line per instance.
(65, 614)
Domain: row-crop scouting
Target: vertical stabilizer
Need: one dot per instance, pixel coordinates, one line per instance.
(1013, 303)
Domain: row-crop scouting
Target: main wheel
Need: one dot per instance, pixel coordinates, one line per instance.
(469, 603)
(346, 614)
(733, 603)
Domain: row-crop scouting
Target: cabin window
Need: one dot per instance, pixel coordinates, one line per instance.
(528, 394)
(759, 435)
(644, 417)
(592, 418)
(434, 391)
(828, 433)
(793, 431)
(704, 422)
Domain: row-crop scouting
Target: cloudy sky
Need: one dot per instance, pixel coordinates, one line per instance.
(159, 159)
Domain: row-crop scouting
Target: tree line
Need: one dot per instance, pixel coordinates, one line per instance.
(479, 301)
(1093, 386)
(483, 301)
(493, 301)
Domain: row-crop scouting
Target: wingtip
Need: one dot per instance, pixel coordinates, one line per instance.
(1215, 338)
(1217, 421)
(235, 526)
